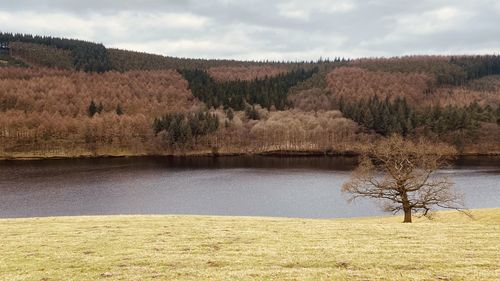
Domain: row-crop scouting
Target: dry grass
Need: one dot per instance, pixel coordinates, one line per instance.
(451, 247)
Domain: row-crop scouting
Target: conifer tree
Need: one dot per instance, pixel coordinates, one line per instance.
(119, 110)
(92, 109)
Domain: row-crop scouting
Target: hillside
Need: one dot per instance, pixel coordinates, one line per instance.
(46, 111)
(41, 55)
(68, 98)
(450, 247)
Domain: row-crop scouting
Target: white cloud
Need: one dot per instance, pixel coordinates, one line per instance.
(437, 20)
(228, 44)
(262, 29)
(304, 9)
(167, 20)
(59, 24)
(117, 26)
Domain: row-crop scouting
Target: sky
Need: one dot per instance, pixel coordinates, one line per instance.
(266, 29)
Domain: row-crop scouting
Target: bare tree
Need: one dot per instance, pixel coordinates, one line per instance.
(401, 173)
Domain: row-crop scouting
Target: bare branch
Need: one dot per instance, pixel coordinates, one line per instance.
(402, 173)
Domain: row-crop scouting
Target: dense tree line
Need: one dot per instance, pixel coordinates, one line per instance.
(385, 117)
(87, 56)
(445, 119)
(267, 92)
(124, 60)
(247, 73)
(388, 117)
(181, 128)
(450, 70)
(477, 66)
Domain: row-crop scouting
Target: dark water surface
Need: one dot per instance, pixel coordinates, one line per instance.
(250, 186)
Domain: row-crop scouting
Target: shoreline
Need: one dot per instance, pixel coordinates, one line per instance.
(243, 217)
(274, 153)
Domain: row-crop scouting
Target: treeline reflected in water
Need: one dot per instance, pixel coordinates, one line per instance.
(337, 163)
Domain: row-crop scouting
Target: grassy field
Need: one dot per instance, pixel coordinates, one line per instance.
(451, 247)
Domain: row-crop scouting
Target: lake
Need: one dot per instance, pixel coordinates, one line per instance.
(307, 187)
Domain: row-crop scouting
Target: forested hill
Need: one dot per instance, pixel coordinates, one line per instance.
(46, 51)
(66, 97)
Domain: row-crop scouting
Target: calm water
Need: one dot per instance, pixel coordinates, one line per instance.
(250, 186)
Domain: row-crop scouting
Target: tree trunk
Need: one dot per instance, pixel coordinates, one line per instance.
(406, 206)
(407, 215)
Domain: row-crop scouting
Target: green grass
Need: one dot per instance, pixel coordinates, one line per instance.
(451, 247)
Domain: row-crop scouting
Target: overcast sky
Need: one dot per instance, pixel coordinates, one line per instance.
(266, 29)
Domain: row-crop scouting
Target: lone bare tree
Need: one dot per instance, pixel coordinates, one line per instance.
(401, 173)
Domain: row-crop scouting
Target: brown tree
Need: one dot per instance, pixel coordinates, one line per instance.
(402, 174)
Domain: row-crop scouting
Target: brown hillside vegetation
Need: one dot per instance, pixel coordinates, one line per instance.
(44, 110)
(299, 130)
(30, 73)
(49, 111)
(437, 66)
(41, 55)
(420, 89)
(69, 93)
(406, 64)
(313, 99)
(246, 73)
(356, 83)
(488, 83)
(291, 130)
(464, 96)
(485, 91)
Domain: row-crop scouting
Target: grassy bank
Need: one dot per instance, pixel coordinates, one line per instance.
(451, 247)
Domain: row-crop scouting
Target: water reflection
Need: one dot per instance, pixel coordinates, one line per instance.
(255, 186)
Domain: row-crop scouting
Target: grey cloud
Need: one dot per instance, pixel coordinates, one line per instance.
(260, 29)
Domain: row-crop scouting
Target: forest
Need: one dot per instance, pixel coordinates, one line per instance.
(180, 128)
(69, 98)
(267, 91)
(86, 56)
(397, 117)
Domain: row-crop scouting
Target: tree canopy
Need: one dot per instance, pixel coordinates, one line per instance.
(87, 56)
(401, 173)
(267, 92)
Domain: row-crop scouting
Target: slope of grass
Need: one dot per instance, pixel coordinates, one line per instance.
(451, 247)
